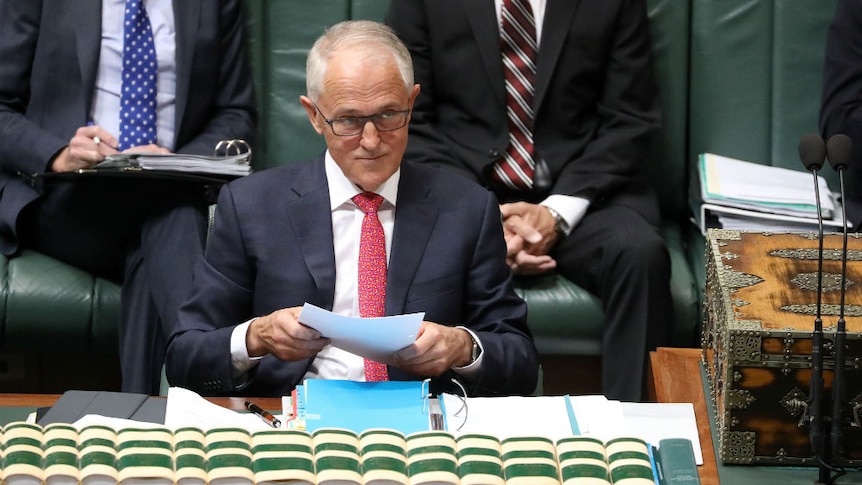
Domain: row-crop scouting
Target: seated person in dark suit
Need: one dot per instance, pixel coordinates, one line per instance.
(841, 108)
(69, 98)
(550, 104)
(296, 234)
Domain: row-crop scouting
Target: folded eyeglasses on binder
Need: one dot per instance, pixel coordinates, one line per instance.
(435, 409)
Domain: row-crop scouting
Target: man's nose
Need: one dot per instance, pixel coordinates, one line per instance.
(370, 135)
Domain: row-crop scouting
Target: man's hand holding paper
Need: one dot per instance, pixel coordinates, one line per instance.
(281, 334)
(373, 338)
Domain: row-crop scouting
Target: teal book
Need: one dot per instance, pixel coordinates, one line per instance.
(359, 406)
(675, 457)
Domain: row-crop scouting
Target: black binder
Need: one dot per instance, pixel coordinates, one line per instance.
(73, 405)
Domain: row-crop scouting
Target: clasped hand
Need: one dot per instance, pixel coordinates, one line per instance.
(89, 146)
(530, 235)
(436, 348)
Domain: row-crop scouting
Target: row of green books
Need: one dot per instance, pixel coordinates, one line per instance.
(96, 454)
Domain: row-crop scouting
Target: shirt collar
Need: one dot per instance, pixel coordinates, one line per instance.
(342, 190)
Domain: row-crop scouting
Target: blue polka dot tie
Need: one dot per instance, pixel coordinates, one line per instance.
(372, 272)
(138, 96)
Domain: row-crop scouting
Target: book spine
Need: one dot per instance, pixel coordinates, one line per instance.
(677, 462)
(582, 458)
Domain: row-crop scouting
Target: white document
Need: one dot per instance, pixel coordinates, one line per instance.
(749, 220)
(372, 338)
(509, 416)
(653, 422)
(753, 186)
(188, 408)
(599, 417)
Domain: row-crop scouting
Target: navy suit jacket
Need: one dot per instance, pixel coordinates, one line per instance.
(50, 58)
(271, 248)
(596, 100)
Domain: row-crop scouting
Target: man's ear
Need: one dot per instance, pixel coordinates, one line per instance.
(311, 111)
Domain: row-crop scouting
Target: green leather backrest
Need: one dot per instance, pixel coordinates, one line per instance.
(280, 34)
(282, 31)
(756, 76)
(669, 28)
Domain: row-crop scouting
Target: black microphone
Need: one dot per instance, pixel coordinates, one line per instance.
(838, 149)
(812, 153)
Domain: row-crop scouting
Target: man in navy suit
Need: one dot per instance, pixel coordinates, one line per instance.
(291, 235)
(588, 212)
(60, 97)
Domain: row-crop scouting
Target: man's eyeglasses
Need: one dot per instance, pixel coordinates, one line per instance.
(353, 125)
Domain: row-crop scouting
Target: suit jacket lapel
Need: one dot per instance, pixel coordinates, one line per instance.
(415, 217)
(186, 24)
(308, 213)
(483, 19)
(558, 14)
(88, 32)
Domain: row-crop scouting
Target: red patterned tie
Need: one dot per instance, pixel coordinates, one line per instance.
(518, 46)
(372, 272)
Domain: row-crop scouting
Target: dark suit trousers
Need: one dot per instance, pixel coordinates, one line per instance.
(145, 234)
(621, 258)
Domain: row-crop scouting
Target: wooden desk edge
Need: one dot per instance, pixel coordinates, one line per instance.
(42, 400)
(676, 378)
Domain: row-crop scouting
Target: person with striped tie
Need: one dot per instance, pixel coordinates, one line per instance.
(549, 104)
(357, 232)
(83, 80)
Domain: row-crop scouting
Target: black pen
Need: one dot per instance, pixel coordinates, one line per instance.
(264, 414)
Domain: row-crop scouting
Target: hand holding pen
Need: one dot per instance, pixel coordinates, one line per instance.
(90, 145)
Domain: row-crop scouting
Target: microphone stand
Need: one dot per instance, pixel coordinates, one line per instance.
(812, 152)
(816, 387)
(839, 149)
(837, 424)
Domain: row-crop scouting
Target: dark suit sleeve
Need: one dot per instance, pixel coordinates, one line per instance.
(231, 114)
(841, 110)
(198, 355)
(498, 316)
(627, 109)
(27, 148)
(426, 143)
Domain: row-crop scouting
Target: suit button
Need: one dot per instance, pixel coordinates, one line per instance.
(494, 153)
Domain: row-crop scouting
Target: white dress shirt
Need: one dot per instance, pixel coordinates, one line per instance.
(106, 97)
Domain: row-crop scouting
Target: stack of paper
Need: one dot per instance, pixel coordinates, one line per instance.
(237, 164)
(751, 196)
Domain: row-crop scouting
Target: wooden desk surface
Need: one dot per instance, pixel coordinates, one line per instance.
(676, 378)
(41, 400)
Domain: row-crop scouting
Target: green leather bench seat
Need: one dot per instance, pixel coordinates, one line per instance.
(50, 306)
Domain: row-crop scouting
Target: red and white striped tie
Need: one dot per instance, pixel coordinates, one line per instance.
(372, 272)
(518, 46)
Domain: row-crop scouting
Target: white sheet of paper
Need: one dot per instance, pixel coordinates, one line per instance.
(509, 416)
(187, 408)
(373, 338)
(653, 422)
(598, 416)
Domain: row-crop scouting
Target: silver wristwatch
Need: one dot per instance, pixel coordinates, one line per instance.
(559, 222)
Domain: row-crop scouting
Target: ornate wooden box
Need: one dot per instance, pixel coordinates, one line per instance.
(760, 306)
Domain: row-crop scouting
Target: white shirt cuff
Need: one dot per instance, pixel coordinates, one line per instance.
(471, 370)
(570, 208)
(239, 358)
